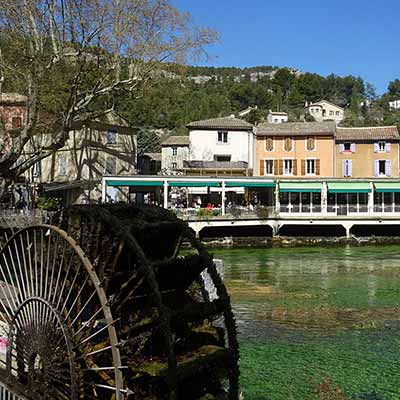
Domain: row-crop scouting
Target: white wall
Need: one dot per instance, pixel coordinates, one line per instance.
(204, 145)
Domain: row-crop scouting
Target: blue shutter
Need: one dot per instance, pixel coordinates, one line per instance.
(341, 148)
(350, 167)
(353, 147)
(388, 168)
(376, 147)
(376, 168)
(387, 147)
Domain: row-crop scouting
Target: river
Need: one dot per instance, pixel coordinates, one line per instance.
(317, 323)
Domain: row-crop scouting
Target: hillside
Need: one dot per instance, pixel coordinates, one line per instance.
(186, 94)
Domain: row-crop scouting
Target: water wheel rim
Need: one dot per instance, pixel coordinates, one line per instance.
(22, 292)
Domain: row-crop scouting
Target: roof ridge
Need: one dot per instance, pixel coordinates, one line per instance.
(366, 127)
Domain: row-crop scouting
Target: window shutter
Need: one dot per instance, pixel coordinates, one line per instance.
(303, 167)
(317, 167)
(294, 167)
(344, 169)
(376, 167)
(280, 167)
(341, 148)
(388, 168)
(376, 147)
(387, 147)
(262, 167)
(350, 167)
(353, 147)
(275, 167)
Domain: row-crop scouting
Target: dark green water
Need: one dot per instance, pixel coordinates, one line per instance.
(315, 320)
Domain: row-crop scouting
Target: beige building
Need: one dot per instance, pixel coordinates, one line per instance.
(298, 149)
(106, 146)
(367, 152)
(174, 151)
(275, 117)
(325, 111)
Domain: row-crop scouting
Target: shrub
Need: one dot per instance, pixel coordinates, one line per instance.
(49, 203)
(262, 212)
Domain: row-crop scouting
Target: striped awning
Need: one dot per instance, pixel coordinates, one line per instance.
(349, 187)
(135, 182)
(193, 184)
(300, 187)
(250, 184)
(387, 187)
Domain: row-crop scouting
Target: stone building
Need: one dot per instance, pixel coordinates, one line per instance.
(12, 110)
(105, 146)
(302, 149)
(174, 151)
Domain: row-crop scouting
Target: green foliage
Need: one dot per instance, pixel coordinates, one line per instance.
(49, 203)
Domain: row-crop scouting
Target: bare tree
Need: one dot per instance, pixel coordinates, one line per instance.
(74, 58)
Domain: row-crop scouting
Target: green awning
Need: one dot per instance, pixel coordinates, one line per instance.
(300, 187)
(250, 184)
(134, 183)
(193, 184)
(349, 187)
(387, 187)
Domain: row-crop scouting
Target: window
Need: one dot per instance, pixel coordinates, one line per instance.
(111, 166)
(16, 122)
(310, 143)
(63, 164)
(381, 147)
(219, 157)
(269, 144)
(347, 168)
(287, 144)
(382, 167)
(287, 167)
(111, 137)
(337, 113)
(276, 120)
(37, 169)
(310, 167)
(331, 113)
(174, 165)
(269, 167)
(174, 151)
(222, 137)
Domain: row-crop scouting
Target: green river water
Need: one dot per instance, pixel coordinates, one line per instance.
(317, 323)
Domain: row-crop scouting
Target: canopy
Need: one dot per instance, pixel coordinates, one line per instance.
(193, 184)
(300, 187)
(250, 184)
(385, 187)
(349, 187)
(135, 182)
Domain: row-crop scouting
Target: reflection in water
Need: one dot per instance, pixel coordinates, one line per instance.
(306, 315)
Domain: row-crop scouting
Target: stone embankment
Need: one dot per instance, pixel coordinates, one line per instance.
(291, 241)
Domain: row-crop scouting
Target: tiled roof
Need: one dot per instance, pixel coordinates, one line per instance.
(369, 133)
(296, 129)
(176, 141)
(278, 113)
(228, 123)
(319, 103)
(12, 98)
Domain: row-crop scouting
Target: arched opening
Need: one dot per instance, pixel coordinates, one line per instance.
(312, 230)
(235, 231)
(375, 230)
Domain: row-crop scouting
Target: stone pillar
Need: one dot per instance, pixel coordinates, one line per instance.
(165, 194)
(277, 203)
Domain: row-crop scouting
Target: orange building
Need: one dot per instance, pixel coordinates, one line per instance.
(367, 152)
(298, 149)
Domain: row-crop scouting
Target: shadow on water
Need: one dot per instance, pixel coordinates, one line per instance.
(307, 316)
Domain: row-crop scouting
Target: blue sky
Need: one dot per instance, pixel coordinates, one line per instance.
(350, 37)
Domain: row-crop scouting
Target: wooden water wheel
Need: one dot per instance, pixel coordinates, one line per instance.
(112, 304)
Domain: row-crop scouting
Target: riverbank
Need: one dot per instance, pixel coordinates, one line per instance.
(231, 242)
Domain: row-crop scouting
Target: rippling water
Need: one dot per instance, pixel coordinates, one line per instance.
(317, 322)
